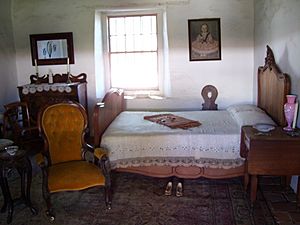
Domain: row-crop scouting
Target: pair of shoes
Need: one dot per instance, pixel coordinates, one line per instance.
(168, 190)
(179, 190)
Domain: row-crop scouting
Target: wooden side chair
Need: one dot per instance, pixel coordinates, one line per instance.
(64, 168)
(209, 94)
(17, 126)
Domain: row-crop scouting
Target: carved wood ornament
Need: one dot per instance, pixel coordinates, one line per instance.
(58, 78)
(209, 94)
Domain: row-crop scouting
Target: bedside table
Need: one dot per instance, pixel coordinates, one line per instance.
(272, 153)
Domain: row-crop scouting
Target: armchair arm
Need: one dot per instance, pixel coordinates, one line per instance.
(100, 153)
(30, 130)
(102, 160)
(40, 159)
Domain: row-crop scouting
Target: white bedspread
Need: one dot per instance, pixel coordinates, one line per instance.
(133, 141)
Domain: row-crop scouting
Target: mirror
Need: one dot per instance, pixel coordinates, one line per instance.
(52, 49)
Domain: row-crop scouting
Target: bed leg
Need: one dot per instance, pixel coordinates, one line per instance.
(246, 181)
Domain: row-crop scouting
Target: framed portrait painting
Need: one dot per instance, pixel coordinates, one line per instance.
(204, 39)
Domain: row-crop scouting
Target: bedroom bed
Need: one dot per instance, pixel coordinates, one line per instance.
(210, 150)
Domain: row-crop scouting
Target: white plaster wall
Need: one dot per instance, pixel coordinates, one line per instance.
(277, 23)
(233, 75)
(8, 72)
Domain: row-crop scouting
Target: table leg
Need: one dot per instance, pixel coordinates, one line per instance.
(246, 176)
(10, 204)
(288, 180)
(2, 183)
(253, 188)
(4, 190)
(246, 181)
(29, 178)
(22, 174)
(298, 192)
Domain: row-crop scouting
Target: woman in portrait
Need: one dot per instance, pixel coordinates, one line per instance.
(205, 44)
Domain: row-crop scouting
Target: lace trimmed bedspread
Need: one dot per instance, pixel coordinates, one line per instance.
(133, 141)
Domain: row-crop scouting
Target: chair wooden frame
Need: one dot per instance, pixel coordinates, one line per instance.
(12, 118)
(17, 125)
(44, 159)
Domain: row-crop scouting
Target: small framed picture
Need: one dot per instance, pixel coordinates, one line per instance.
(52, 49)
(204, 39)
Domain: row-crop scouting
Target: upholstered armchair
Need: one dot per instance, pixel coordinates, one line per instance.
(17, 125)
(63, 127)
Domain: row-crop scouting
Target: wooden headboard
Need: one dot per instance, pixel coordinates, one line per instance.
(273, 86)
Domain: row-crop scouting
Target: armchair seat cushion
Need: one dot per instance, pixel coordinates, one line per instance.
(74, 175)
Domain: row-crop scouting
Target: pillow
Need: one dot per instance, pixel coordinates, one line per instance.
(242, 108)
(249, 115)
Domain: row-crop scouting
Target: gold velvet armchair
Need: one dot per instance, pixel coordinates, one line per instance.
(63, 127)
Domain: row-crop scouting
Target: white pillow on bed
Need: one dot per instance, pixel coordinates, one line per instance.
(242, 108)
(249, 115)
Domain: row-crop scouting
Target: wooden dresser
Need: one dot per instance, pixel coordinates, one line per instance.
(40, 93)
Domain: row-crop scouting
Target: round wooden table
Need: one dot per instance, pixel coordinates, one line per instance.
(20, 162)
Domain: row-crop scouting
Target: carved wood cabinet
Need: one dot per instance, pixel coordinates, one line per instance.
(39, 92)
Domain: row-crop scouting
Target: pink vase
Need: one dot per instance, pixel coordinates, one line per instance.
(289, 111)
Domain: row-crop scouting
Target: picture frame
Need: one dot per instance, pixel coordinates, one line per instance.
(204, 39)
(52, 49)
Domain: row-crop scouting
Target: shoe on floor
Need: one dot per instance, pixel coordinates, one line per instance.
(168, 190)
(179, 190)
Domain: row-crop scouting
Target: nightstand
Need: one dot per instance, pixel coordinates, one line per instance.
(272, 153)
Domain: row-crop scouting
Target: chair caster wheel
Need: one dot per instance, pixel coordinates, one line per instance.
(34, 211)
(50, 216)
(108, 206)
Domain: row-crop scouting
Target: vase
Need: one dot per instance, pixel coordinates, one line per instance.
(289, 111)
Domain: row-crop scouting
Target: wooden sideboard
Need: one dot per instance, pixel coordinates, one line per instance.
(40, 93)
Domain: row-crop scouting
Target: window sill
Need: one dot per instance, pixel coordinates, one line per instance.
(154, 97)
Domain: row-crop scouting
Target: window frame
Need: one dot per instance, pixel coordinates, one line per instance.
(160, 48)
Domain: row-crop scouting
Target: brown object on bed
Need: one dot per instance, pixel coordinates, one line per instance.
(173, 121)
(273, 86)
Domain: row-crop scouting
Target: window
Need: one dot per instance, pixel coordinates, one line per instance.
(134, 52)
